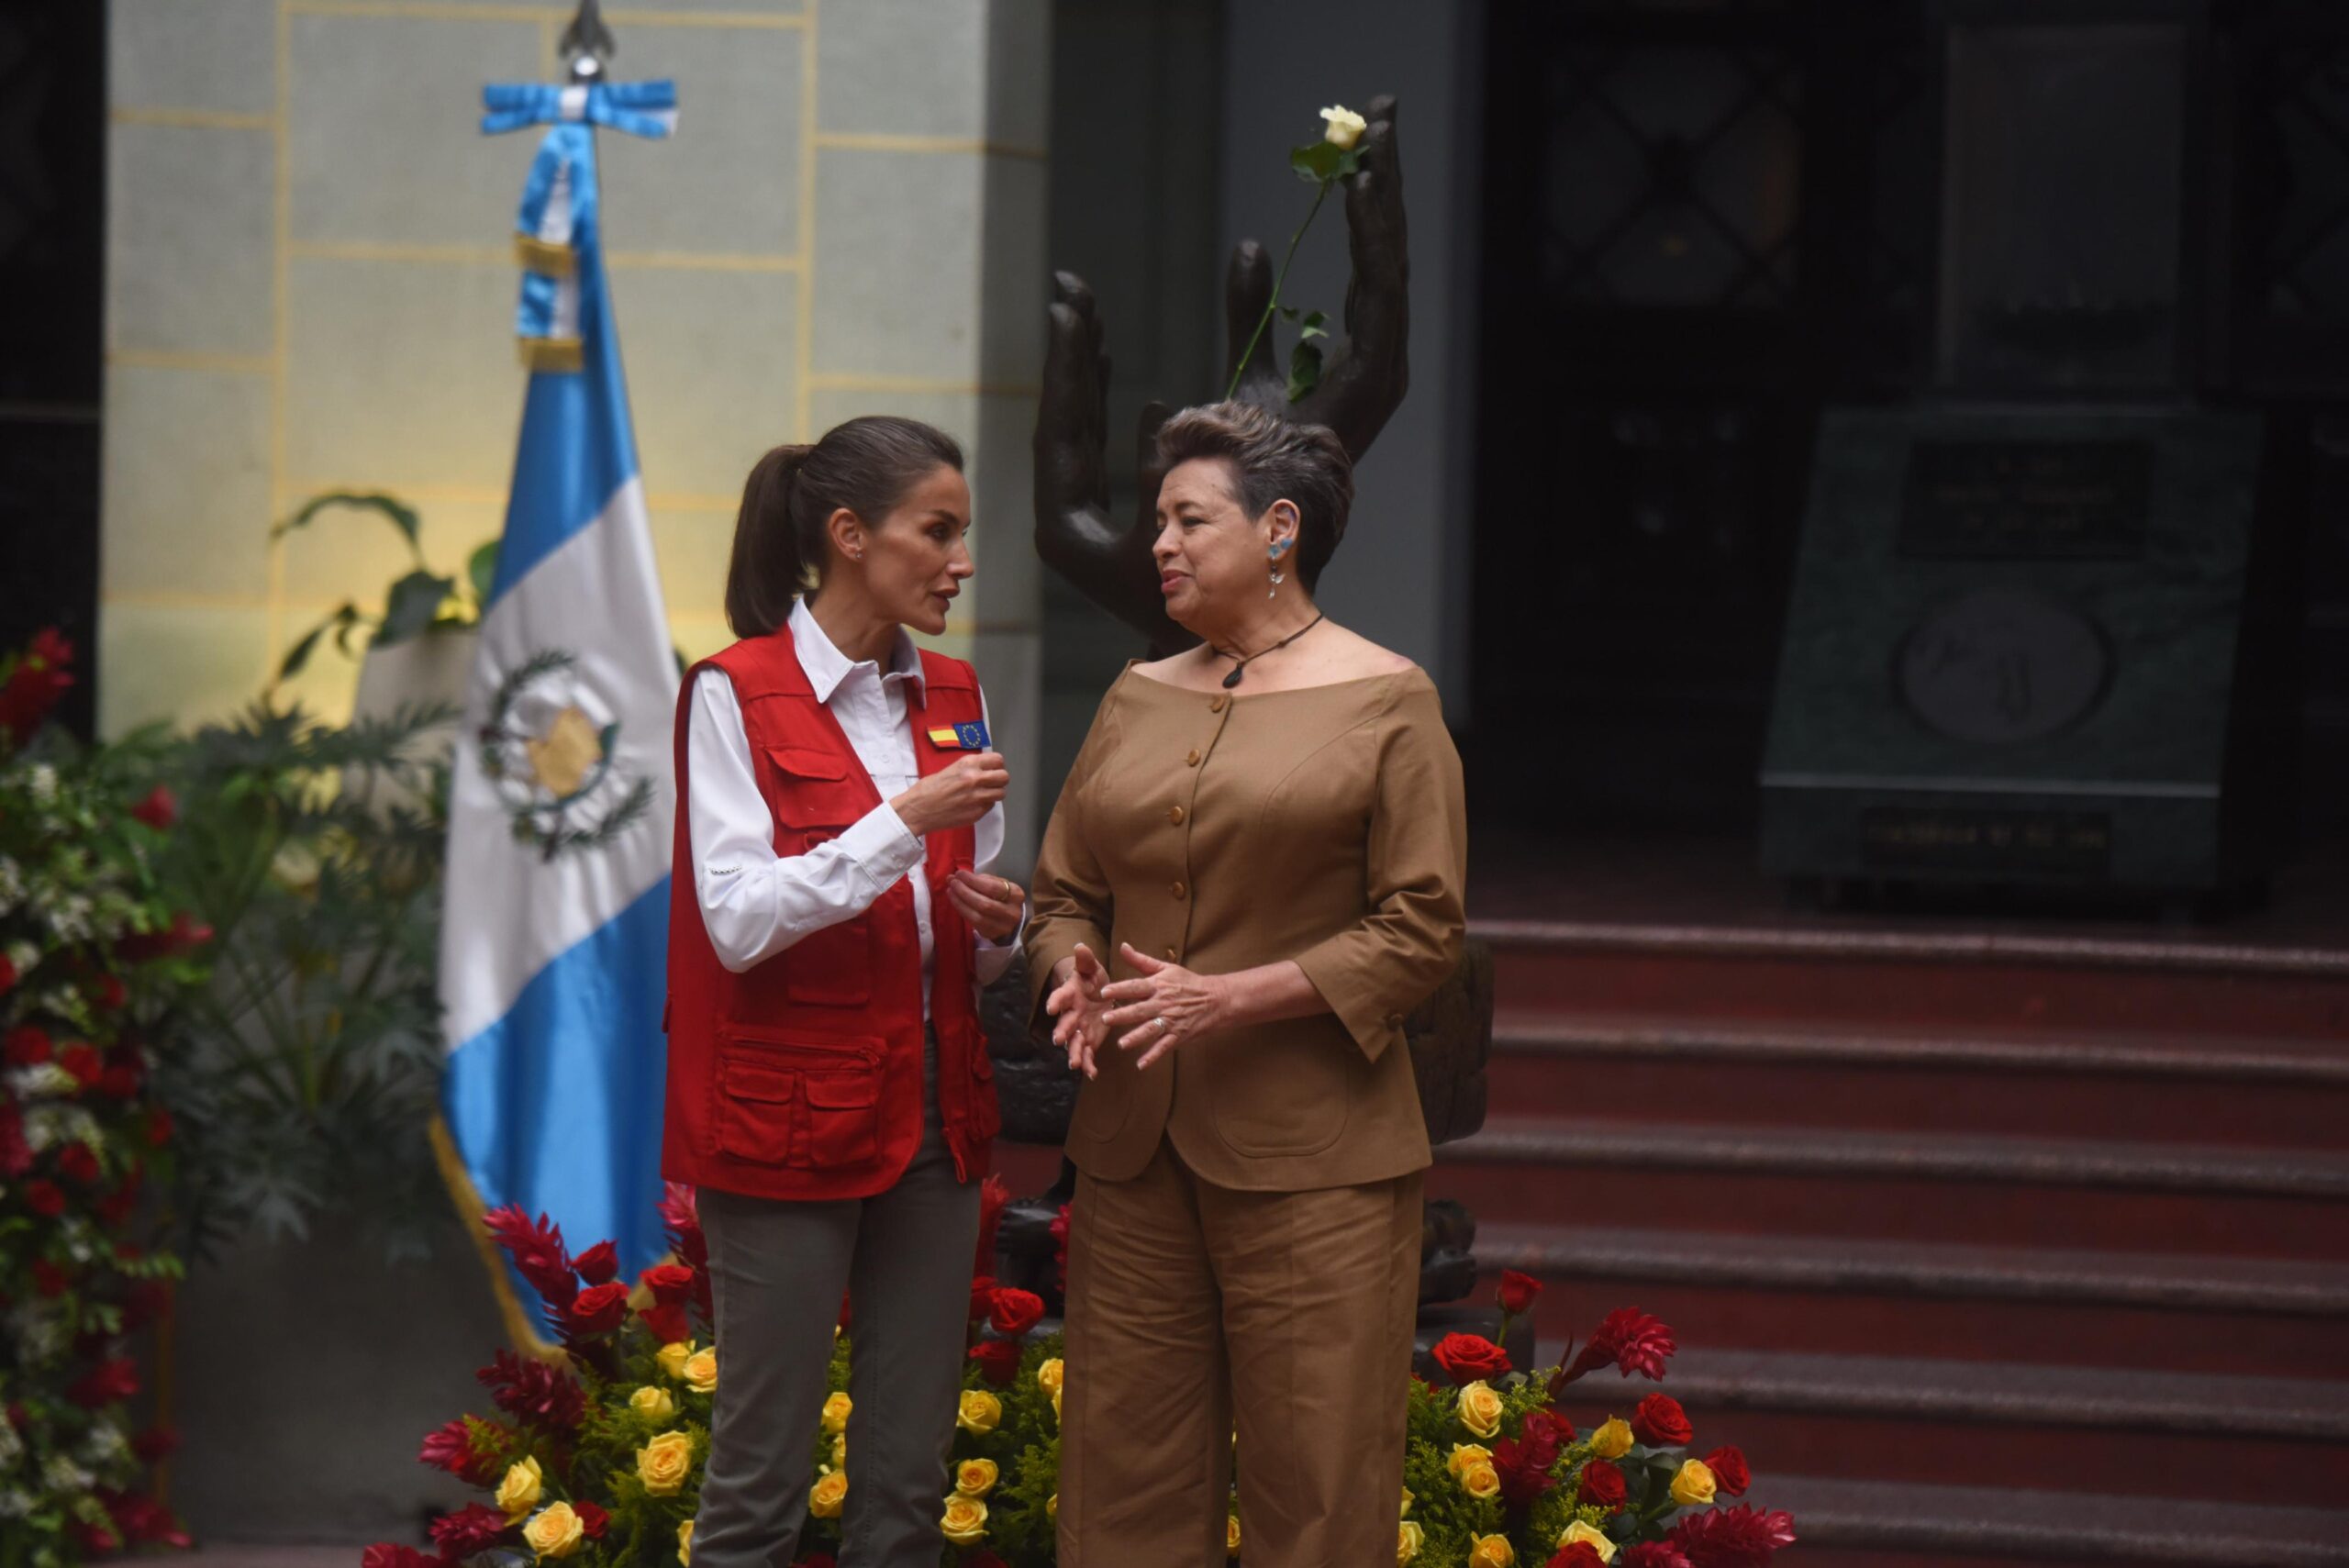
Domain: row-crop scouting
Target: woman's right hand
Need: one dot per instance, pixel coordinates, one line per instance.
(956, 796)
(1075, 1007)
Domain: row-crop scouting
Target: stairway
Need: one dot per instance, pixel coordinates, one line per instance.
(1985, 1248)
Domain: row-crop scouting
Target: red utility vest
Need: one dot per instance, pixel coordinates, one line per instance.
(802, 1077)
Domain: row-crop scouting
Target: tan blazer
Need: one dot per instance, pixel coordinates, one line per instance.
(1224, 832)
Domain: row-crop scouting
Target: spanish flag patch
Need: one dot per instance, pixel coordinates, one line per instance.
(961, 738)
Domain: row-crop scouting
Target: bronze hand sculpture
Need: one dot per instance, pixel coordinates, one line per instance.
(1362, 381)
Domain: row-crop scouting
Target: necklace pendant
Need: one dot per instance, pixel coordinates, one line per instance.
(1233, 679)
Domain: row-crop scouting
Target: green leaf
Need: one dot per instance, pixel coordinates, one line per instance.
(1304, 371)
(339, 622)
(397, 513)
(416, 599)
(1315, 325)
(480, 571)
(1319, 162)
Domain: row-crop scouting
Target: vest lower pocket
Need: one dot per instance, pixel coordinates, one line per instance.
(802, 1101)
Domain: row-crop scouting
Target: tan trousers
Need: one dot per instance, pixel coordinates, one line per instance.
(1193, 1308)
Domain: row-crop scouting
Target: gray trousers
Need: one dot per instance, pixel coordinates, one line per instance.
(776, 1270)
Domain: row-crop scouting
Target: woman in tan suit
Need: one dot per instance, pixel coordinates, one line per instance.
(1265, 838)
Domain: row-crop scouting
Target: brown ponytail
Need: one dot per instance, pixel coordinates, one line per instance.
(781, 544)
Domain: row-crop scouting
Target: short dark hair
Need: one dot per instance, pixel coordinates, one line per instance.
(866, 464)
(1272, 460)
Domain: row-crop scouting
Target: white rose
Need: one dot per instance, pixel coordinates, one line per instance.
(1345, 126)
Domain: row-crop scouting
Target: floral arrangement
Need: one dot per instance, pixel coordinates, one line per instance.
(599, 1461)
(91, 955)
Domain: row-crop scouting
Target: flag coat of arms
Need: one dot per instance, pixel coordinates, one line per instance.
(554, 940)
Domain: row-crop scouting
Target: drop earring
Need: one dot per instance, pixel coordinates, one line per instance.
(1277, 552)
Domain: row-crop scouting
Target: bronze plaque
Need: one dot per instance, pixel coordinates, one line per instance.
(1987, 840)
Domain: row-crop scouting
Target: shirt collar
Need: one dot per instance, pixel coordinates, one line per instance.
(827, 666)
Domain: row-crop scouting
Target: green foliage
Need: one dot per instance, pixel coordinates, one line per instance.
(311, 1065)
(416, 601)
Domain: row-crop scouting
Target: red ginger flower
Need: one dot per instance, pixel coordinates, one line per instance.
(1012, 1313)
(1653, 1555)
(993, 1196)
(1730, 1473)
(389, 1554)
(538, 1252)
(1628, 1339)
(534, 1392)
(1602, 1483)
(1467, 1357)
(1518, 1292)
(472, 1529)
(1743, 1537)
(998, 1360)
(145, 1520)
(682, 1218)
(450, 1448)
(1661, 1422)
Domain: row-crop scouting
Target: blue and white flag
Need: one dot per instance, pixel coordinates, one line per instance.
(554, 946)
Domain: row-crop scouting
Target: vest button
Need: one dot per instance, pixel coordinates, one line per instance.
(1177, 816)
(1192, 761)
(1178, 890)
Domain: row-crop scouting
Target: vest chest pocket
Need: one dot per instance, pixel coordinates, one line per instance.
(815, 799)
(786, 1099)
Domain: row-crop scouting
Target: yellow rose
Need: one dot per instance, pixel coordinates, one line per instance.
(1596, 1541)
(836, 1411)
(1408, 1500)
(518, 1493)
(1344, 127)
(663, 1464)
(686, 1544)
(980, 1412)
(1231, 1535)
(672, 1357)
(1050, 1376)
(1481, 1481)
(975, 1477)
(965, 1521)
(1480, 1409)
(1693, 1487)
(1465, 1454)
(555, 1533)
(1612, 1441)
(831, 1492)
(652, 1402)
(1056, 1403)
(700, 1371)
(1492, 1551)
(840, 1452)
(1407, 1544)
(1052, 1506)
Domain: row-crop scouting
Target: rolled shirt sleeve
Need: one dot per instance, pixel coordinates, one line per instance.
(1375, 972)
(755, 903)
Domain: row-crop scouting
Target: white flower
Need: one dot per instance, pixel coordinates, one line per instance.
(49, 1078)
(16, 1503)
(44, 782)
(1345, 126)
(12, 1447)
(12, 884)
(61, 1475)
(24, 955)
(108, 1446)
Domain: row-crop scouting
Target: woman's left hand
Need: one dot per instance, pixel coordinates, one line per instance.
(1166, 1007)
(990, 903)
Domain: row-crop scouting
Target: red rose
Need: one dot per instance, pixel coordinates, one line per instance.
(1060, 1228)
(599, 1264)
(668, 1322)
(593, 1520)
(145, 1520)
(1627, 1338)
(108, 994)
(28, 1047)
(1012, 1313)
(114, 1209)
(108, 1382)
(16, 1154)
(1661, 1422)
(1518, 1292)
(599, 1312)
(469, 1532)
(159, 811)
(155, 1444)
(45, 1198)
(982, 1297)
(670, 1284)
(1581, 1554)
(1653, 1555)
(1556, 1428)
(96, 1537)
(119, 1082)
(159, 1127)
(7, 975)
(998, 1360)
(1602, 1483)
(1468, 1357)
(83, 1064)
(1743, 1537)
(78, 1162)
(1728, 1465)
(49, 1280)
(35, 684)
(847, 1311)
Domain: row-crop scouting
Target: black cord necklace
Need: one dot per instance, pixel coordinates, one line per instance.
(1240, 667)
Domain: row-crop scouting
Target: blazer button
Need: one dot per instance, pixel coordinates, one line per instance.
(1170, 955)
(1177, 816)
(1179, 890)
(1193, 760)
(1394, 1020)
(1217, 705)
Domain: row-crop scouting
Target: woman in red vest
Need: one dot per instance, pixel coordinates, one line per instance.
(833, 913)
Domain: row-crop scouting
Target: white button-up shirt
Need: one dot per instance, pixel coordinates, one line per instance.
(755, 903)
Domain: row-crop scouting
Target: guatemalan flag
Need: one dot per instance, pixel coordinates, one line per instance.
(553, 942)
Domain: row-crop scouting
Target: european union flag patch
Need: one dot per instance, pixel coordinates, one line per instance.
(971, 737)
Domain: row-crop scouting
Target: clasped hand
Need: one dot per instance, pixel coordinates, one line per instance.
(1165, 1008)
